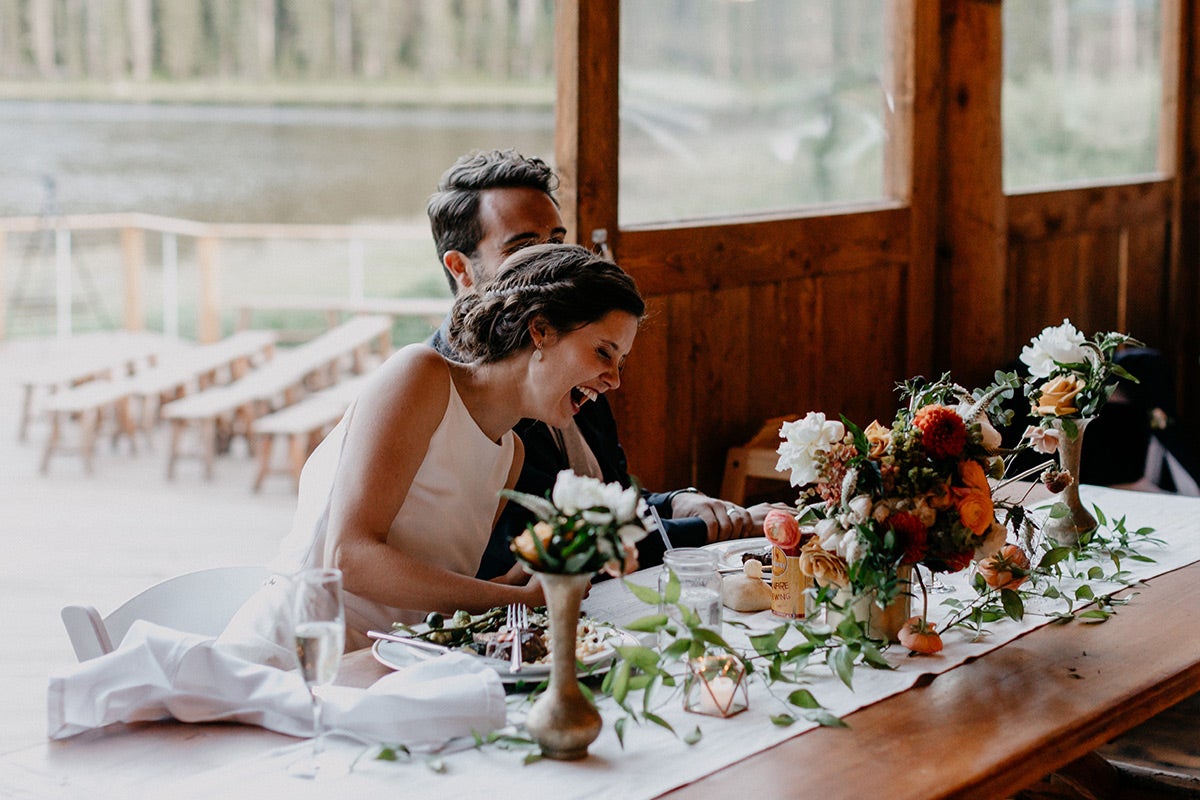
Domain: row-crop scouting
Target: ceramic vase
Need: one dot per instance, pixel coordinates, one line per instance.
(1068, 528)
(563, 721)
(882, 623)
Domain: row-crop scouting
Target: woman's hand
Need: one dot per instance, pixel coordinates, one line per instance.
(517, 576)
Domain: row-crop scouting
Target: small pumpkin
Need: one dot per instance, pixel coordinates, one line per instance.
(919, 636)
(1008, 568)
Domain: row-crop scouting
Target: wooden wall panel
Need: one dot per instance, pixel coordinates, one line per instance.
(1147, 296)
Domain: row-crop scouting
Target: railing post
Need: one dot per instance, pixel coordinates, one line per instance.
(208, 259)
(133, 258)
(63, 297)
(170, 284)
(357, 276)
(3, 293)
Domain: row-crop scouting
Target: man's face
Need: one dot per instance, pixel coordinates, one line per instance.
(511, 219)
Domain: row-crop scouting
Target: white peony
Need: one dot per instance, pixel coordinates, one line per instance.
(804, 441)
(1053, 346)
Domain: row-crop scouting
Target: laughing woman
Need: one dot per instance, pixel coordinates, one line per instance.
(402, 494)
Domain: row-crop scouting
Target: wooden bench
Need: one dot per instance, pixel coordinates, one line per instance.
(87, 357)
(228, 411)
(303, 426)
(92, 402)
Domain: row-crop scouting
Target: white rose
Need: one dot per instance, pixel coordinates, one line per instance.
(858, 511)
(804, 440)
(598, 518)
(1053, 346)
(828, 530)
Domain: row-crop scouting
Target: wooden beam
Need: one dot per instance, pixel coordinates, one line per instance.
(208, 261)
(133, 260)
(971, 310)
(1041, 215)
(587, 43)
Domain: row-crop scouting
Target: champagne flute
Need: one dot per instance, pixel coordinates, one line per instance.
(319, 622)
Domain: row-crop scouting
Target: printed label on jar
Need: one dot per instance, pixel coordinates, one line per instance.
(787, 585)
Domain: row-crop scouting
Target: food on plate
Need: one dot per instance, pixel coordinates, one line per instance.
(762, 556)
(747, 591)
(488, 635)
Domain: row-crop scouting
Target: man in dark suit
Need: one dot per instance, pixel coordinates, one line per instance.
(489, 205)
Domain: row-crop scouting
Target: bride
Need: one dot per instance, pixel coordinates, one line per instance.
(403, 494)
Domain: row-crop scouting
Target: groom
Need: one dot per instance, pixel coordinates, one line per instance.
(488, 206)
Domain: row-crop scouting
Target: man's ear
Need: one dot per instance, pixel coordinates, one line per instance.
(459, 267)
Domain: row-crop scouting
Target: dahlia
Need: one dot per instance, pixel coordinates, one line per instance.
(943, 432)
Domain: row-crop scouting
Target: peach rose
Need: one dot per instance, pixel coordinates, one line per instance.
(782, 530)
(878, 439)
(1057, 396)
(821, 565)
(524, 547)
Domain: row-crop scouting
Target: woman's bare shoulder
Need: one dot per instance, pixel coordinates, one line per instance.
(414, 379)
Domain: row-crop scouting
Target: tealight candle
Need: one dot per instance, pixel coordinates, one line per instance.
(716, 696)
(715, 686)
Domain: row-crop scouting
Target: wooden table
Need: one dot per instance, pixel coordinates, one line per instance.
(985, 729)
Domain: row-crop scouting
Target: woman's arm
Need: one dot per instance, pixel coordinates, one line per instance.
(394, 421)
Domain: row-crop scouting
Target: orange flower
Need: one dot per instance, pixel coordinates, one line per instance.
(1007, 569)
(943, 432)
(523, 544)
(919, 636)
(974, 501)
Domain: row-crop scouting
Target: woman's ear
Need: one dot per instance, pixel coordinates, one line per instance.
(540, 332)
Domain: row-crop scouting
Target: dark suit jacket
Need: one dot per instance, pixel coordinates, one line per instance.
(544, 460)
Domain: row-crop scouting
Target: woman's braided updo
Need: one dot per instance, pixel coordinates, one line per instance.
(565, 284)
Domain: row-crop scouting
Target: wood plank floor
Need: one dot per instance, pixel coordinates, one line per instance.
(70, 538)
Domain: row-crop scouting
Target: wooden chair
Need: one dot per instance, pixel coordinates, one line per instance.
(197, 602)
(755, 459)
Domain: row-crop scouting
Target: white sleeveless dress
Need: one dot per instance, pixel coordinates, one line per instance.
(445, 520)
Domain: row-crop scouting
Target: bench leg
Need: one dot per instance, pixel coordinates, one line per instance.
(265, 443)
(52, 441)
(208, 445)
(26, 413)
(177, 430)
(89, 422)
(297, 455)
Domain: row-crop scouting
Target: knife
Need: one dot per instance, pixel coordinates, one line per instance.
(419, 644)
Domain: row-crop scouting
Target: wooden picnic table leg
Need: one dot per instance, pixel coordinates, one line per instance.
(26, 412)
(177, 431)
(89, 422)
(208, 445)
(123, 424)
(265, 442)
(52, 441)
(297, 455)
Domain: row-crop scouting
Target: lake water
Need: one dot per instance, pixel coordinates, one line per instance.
(245, 164)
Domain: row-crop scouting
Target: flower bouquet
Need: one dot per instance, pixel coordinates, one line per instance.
(884, 499)
(1070, 380)
(585, 525)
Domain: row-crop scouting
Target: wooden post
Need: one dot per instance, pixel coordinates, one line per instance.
(972, 235)
(209, 314)
(133, 258)
(587, 40)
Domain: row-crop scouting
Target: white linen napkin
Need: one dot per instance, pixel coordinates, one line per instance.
(158, 673)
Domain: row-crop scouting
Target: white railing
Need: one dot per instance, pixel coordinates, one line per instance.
(132, 229)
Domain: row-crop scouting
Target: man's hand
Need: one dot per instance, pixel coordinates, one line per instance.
(723, 520)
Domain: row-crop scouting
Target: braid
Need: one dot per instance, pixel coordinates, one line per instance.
(566, 285)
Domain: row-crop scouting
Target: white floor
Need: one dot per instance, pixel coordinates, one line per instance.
(71, 538)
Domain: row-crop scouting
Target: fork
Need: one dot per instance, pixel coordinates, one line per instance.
(517, 621)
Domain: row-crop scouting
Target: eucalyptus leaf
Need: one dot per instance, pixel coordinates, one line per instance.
(644, 593)
(803, 698)
(649, 624)
(782, 720)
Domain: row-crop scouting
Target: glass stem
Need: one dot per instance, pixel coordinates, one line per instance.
(318, 726)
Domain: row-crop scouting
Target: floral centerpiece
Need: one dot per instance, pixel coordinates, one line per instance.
(1070, 380)
(584, 526)
(885, 499)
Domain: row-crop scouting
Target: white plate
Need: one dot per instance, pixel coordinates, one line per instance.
(729, 554)
(397, 656)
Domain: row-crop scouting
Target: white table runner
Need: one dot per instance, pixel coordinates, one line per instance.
(654, 762)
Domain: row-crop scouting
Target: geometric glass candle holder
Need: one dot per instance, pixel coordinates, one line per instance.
(715, 686)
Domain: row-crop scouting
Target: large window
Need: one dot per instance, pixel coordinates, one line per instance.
(749, 107)
(1082, 89)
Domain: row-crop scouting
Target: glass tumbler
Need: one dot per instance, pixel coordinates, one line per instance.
(699, 585)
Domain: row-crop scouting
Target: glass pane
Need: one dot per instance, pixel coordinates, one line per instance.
(743, 107)
(1082, 89)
